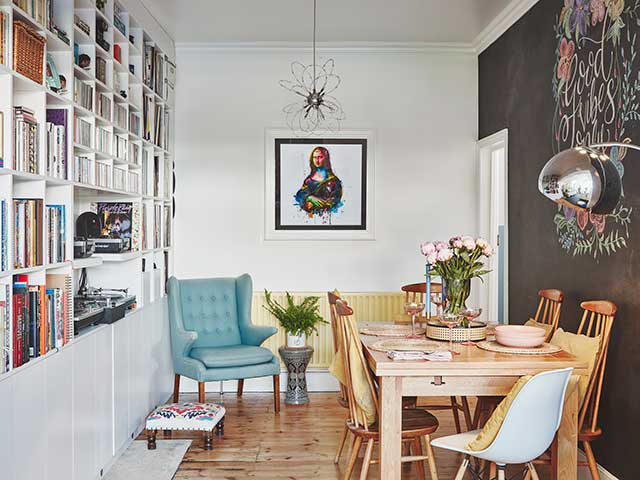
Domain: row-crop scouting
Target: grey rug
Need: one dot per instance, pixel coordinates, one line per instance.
(138, 463)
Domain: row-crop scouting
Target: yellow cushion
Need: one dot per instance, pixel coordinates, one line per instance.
(545, 326)
(491, 428)
(582, 347)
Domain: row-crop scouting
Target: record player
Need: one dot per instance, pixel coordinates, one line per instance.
(85, 314)
(83, 247)
(112, 245)
(114, 302)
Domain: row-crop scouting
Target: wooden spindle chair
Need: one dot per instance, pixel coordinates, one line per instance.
(417, 424)
(548, 313)
(597, 320)
(415, 292)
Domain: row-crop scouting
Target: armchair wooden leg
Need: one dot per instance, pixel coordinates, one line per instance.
(201, 392)
(276, 393)
(240, 386)
(176, 388)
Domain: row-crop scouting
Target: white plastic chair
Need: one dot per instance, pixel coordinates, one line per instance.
(528, 428)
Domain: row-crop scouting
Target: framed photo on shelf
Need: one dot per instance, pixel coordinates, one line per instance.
(319, 188)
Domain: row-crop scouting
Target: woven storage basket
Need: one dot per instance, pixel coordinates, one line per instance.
(436, 331)
(28, 51)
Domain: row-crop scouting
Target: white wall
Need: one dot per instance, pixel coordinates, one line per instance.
(423, 108)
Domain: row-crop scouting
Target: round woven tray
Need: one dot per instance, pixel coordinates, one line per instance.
(437, 331)
(389, 330)
(408, 345)
(544, 349)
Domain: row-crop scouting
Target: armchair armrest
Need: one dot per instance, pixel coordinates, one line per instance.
(183, 340)
(256, 334)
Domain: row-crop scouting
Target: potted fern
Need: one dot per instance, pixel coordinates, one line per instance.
(298, 320)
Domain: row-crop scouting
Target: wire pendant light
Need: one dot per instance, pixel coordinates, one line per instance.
(316, 110)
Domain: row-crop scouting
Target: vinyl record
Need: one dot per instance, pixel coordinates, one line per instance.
(88, 225)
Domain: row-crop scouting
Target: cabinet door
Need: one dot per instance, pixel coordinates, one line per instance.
(30, 416)
(59, 425)
(136, 371)
(104, 396)
(121, 391)
(164, 384)
(84, 408)
(7, 429)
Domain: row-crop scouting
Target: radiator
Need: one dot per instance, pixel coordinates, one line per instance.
(367, 307)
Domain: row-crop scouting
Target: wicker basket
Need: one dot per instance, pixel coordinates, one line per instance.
(437, 331)
(28, 51)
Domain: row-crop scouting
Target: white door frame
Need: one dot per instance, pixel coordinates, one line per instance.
(490, 290)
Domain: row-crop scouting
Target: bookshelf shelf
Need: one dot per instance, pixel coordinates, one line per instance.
(104, 139)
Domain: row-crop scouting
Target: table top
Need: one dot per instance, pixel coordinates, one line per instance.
(471, 361)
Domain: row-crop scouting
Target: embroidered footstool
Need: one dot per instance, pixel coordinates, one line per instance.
(186, 416)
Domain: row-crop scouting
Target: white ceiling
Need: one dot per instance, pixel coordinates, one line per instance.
(338, 20)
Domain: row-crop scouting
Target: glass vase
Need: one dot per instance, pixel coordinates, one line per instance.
(456, 291)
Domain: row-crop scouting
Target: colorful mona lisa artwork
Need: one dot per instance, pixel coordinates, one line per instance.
(320, 184)
(596, 89)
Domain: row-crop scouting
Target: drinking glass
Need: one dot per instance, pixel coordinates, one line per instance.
(436, 299)
(469, 315)
(413, 309)
(451, 320)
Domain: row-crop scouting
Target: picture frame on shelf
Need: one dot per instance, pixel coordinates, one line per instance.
(319, 188)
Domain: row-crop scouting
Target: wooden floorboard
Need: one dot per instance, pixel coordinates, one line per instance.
(299, 443)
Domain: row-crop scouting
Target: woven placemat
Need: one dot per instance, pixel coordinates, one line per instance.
(407, 344)
(389, 330)
(493, 346)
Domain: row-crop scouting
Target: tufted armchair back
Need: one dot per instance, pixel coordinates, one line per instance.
(214, 308)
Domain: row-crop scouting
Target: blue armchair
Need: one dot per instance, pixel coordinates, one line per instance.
(212, 337)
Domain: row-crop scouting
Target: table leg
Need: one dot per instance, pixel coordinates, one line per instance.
(390, 427)
(565, 463)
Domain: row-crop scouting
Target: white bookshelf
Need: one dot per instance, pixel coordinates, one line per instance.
(123, 89)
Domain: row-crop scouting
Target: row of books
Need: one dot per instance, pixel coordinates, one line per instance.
(41, 317)
(4, 234)
(4, 38)
(26, 152)
(125, 180)
(134, 153)
(134, 123)
(55, 226)
(104, 106)
(120, 147)
(28, 223)
(103, 140)
(83, 94)
(82, 132)
(120, 116)
(5, 328)
(57, 143)
(147, 107)
(40, 10)
(166, 218)
(158, 116)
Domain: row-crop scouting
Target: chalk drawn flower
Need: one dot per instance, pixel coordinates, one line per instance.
(615, 8)
(598, 221)
(598, 11)
(580, 18)
(567, 49)
(583, 219)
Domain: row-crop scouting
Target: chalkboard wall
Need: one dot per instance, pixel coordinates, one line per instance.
(563, 76)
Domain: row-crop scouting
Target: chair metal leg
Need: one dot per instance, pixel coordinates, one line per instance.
(467, 413)
(501, 472)
(176, 388)
(201, 392)
(462, 470)
(366, 461)
(591, 459)
(456, 417)
(343, 440)
(354, 456)
(276, 393)
(431, 461)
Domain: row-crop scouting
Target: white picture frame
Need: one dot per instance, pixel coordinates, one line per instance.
(275, 230)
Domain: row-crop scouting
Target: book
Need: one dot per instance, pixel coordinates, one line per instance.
(82, 131)
(26, 151)
(5, 328)
(28, 232)
(4, 235)
(56, 164)
(83, 93)
(116, 219)
(1, 139)
(55, 220)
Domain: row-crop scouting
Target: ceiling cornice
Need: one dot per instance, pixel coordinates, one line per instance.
(507, 17)
(330, 47)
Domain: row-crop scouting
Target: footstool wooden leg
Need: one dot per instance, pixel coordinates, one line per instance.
(220, 427)
(208, 440)
(151, 439)
(167, 434)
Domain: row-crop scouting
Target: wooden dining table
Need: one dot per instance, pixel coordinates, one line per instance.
(472, 372)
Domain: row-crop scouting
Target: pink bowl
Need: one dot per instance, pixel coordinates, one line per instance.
(521, 341)
(521, 331)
